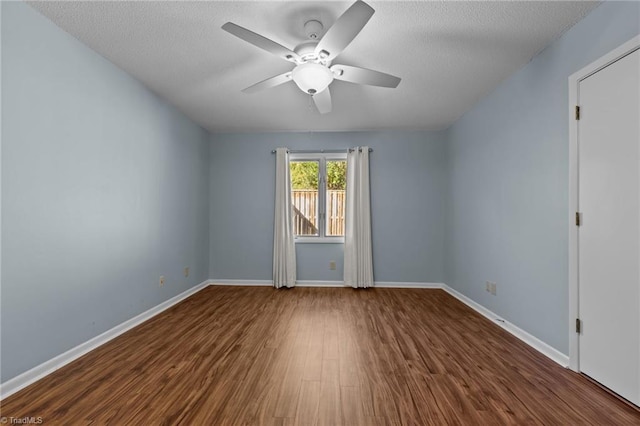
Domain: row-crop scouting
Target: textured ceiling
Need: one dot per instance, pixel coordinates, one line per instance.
(448, 54)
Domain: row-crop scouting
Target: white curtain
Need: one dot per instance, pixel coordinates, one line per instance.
(284, 249)
(358, 261)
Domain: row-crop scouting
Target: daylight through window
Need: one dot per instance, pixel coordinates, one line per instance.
(318, 189)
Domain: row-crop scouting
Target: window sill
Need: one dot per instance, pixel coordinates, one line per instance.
(319, 240)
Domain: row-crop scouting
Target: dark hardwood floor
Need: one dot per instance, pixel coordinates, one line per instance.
(332, 356)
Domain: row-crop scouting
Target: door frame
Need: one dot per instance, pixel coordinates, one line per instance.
(574, 93)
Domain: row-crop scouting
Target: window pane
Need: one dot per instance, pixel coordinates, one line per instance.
(304, 194)
(336, 189)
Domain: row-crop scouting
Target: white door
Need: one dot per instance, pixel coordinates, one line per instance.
(609, 235)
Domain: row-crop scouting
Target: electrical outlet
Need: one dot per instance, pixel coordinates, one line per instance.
(186, 271)
(332, 265)
(493, 288)
(161, 280)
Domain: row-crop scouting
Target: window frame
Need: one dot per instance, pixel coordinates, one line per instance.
(321, 158)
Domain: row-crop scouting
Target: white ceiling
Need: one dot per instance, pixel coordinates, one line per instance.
(448, 54)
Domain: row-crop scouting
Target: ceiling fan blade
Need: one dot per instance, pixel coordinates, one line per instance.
(323, 101)
(269, 83)
(344, 30)
(364, 76)
(261, 42)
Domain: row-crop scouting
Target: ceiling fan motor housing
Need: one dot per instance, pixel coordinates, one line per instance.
(307, 52)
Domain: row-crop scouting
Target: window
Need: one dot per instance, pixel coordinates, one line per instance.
(318, 188)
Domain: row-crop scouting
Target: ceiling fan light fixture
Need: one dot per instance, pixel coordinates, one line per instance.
(312, 78)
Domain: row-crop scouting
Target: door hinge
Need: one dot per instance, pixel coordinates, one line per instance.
(577, 112)
(578, 325)
(578, 218)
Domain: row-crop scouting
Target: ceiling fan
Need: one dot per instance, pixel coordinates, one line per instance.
(313, 72)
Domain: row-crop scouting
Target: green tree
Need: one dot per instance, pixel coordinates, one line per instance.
(304, 174)
(336, 175)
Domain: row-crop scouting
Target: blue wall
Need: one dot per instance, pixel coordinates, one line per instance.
(507, 208)
(407, 202)
(104, 188)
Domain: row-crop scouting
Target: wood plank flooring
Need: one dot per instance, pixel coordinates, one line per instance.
(317, 356)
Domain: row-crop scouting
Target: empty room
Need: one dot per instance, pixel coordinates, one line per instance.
(320, 212)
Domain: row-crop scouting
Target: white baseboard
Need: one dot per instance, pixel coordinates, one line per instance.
(242, 283)
(316, 283)
(394, 284)
(36, 373)
(312, 283)
(378, 284)
(269, 283)
(532, 341)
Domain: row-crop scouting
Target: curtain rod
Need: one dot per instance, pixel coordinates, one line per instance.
(321, 151)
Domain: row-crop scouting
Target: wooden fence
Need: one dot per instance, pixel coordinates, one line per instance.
(305, 220)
